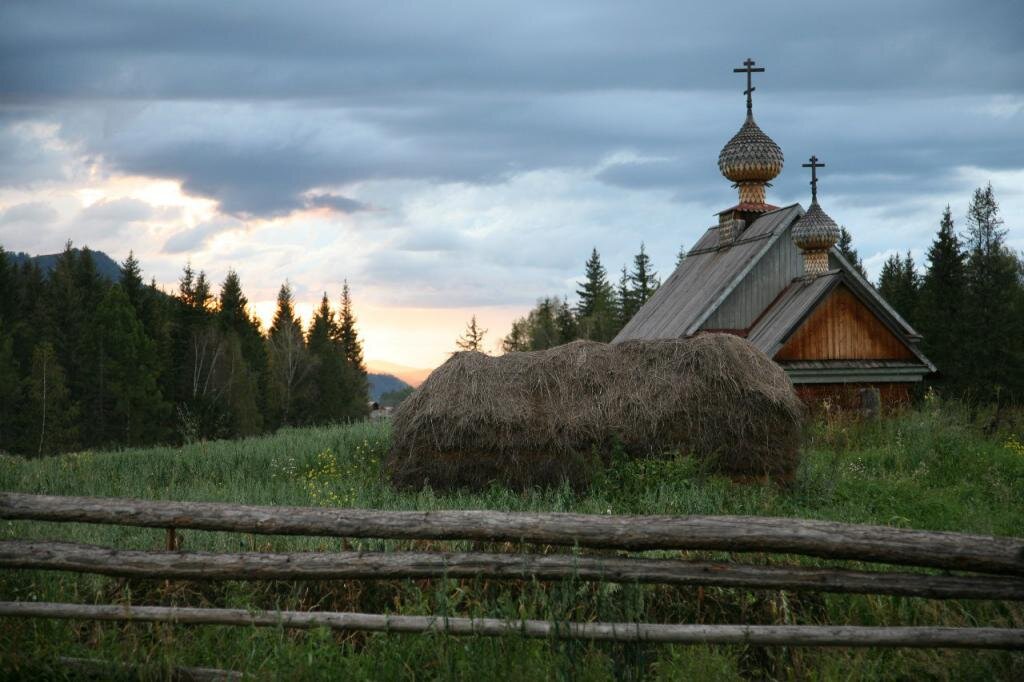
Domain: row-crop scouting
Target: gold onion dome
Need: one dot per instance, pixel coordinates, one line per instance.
(750, 156)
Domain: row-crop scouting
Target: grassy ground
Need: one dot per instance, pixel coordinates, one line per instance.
(924, 469)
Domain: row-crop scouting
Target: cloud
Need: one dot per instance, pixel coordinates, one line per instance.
(117, 211)
(336, 202)
(197, 237)
(32, 213)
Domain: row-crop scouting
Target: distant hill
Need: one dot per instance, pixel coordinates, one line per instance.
(106, 266)
(410, 375)
(384, 383)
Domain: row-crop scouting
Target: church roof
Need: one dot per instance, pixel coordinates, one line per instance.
(709, 273)
(704, 279)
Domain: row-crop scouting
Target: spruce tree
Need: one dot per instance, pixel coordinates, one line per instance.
(643, 279)
(517, 339)
(51, 415)
(472, 338)
(243, 328)
(329, 392)
(626, 298)
(10, 392)
(348, 335)
(289, 361)
(845, 246)
(992, 348)
(132, 284)
(898, 284)
(357, 385)
(129, 408)
(596, 311)
(565, 321)
(940, 311)
(542, 325)
(681, 256)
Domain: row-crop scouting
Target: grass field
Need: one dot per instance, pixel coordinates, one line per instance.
(926, 469)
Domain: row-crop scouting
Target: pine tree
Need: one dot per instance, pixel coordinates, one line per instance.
(348, 336)
(357, 385)
(10, 391)
(289, 361)
(473, 337)
(517, 339)
(625, 298)
(128, 406)
(898, 284)
(845, 246)
(329, 395)
(596, 311)
(565, 321)
(643, 279)
(542, 325)
(131, 282)
(595, 290)
(940, 309)
(284, 315)
(992, 347)
(51, 416)
(250, 371)
(681, 256)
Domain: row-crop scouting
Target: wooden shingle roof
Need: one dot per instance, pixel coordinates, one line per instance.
(705, 278)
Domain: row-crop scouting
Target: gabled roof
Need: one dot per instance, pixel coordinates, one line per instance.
(705, 279)
(792, 307)
(796, 302)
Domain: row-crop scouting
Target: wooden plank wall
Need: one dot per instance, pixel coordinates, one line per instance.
(843, 328)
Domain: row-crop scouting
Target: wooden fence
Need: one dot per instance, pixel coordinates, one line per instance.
(996, 566)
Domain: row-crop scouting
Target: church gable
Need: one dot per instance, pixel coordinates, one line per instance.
(841, 327)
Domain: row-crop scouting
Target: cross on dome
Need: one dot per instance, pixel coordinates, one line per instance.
(749, 69)
(814, 166)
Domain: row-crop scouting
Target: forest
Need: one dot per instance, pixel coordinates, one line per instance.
(86, 362)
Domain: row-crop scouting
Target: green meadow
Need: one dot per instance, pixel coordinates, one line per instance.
(929, 468)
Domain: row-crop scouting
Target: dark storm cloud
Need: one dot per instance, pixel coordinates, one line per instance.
(310, 49)
(256, 107)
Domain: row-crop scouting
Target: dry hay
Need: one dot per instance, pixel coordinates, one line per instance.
(540, 417)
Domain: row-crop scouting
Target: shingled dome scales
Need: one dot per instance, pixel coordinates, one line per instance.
(751, 159)
(815, 233)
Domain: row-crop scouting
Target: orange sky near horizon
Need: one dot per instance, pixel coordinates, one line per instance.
(420, 338)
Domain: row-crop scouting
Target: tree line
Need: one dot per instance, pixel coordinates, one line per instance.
(968, 304)
(90, 363)
(601, 311)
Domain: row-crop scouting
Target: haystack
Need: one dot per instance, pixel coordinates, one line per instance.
(541, 417)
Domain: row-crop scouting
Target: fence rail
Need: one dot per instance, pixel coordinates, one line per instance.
(823, 539)
(761, 635)
(177, 565)
(1003, 557)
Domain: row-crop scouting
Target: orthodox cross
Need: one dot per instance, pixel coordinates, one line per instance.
(748, 68)
(814, 166)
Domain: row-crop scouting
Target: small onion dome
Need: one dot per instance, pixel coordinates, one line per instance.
(750, 156)
(815, 231)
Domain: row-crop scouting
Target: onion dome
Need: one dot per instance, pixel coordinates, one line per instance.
(815, 231)
(750, 156)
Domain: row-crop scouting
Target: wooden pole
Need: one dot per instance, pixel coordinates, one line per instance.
(757, 635)
(729, 533)
(62, 556)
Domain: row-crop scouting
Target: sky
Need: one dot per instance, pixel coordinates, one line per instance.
(459, 158)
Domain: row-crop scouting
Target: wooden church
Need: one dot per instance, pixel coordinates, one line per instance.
(773, 276)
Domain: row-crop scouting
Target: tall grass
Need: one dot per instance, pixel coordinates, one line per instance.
(927, 468)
